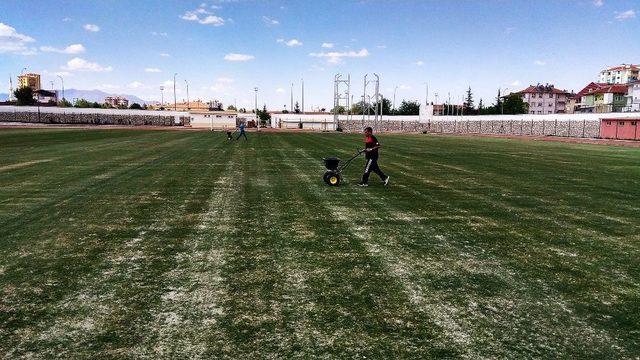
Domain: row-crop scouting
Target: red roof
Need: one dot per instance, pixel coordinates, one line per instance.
(623, 67)
(589, 89)
(542, 89)
(615, 89)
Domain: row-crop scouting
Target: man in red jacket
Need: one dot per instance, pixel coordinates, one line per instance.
(371, 146)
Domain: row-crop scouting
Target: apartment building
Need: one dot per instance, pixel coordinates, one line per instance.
(621, 74)
(545, 99)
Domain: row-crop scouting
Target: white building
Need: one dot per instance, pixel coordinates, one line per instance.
(545, 99)
(633, 97)
(622, 74)
(213, 119)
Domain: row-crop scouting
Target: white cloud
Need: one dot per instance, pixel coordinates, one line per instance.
(540, 62)
(515, 83)
(212, 20)
(294, 42)
(209, 19)
(79, 64)
(155, 33)
(327, 45)
(164, 55)
(238, 57)
(152, 70)
(224, 80)
(71, 49)
(404, 87)
(625, 15)
(419, 63)
(91, 27)
(269, 21)
(67, 19)
(381, 46)
(136, 85)
(280, 90)
(598, 3)
(335, 57)
(290, 43)
(13, 42)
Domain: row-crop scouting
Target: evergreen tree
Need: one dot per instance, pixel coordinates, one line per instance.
(24, 95)
(468, 106)
(480, 107)
(296, 109)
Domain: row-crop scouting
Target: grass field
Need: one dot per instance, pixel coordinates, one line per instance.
(118, 243)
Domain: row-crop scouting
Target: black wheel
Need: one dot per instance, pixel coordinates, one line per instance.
(332, 178)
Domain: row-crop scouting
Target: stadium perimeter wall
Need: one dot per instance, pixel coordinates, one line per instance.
(566, 125)
(75, 116)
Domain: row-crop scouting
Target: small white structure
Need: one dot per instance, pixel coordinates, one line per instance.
(213, 119)
(633, 97)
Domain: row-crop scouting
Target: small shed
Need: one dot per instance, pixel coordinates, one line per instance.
(620, 129)
(213, 119)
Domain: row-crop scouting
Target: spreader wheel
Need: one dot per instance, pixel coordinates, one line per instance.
(332, 178)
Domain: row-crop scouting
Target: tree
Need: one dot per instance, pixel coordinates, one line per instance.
(338, 109)
(515, 105)
(296, 109)
(285, 111)
(64, 103)
(323, 109)
(264, 115)
(410, 107)
(498, 105)
(468, 106)
(480, 107)
(95, 105)
(82, 103)
(24, 95)
(231, 108)
(386, 106)
(135, 106)
(356, 109)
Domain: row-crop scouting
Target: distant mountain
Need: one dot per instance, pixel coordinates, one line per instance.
(98, 96)
(89, 95)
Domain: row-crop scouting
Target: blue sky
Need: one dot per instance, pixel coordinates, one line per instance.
(225, 48)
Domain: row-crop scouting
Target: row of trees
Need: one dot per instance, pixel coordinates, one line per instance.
(407, 107)
(511, 105)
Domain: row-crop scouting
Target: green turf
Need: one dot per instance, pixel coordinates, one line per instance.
(169, 244)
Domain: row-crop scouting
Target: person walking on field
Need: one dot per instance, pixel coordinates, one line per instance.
(242, 133)
(371, 146)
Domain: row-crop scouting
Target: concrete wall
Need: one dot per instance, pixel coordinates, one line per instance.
(55, 115)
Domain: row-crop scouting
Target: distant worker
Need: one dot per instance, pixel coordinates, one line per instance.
(242, 133)
(371, 146)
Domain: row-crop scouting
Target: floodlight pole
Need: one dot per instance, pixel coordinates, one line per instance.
(175, 101)
(188, 103)
(302, 95)
(378, 110)
(291, 96)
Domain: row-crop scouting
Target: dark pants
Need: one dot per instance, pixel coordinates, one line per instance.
(242, 134)
(372, 165)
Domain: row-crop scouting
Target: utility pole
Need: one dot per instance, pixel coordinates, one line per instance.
(302, 95)
(188, 103)
(62, 81)
(175, 101)
(161, 96)
(255, 89)
(364, 96)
